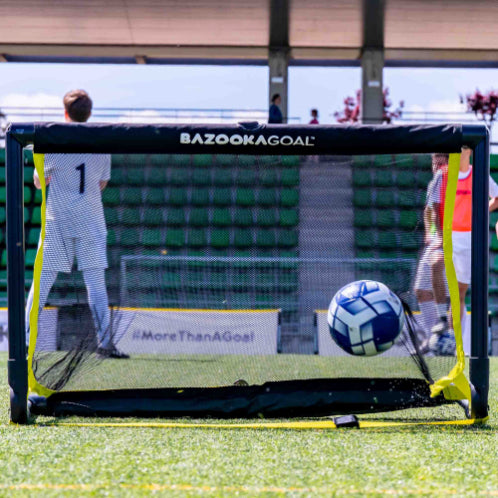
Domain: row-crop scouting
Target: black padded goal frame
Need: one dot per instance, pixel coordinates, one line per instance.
(244, 138)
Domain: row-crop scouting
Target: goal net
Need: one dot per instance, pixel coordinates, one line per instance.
(188, 270)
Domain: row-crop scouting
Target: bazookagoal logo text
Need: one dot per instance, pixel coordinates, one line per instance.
(245, 139)
(187, 336)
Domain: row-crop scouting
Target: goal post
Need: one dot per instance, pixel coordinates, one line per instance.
(297, 384)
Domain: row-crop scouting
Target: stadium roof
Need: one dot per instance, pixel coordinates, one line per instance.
(416, 32)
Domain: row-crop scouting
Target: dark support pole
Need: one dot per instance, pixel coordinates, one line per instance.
(479, 361)
(372, 62)
(278, 56)
(17, 365)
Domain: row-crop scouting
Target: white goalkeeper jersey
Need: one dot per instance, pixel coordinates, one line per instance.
(74, 201)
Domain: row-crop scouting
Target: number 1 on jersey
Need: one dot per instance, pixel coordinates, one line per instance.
(81, 169)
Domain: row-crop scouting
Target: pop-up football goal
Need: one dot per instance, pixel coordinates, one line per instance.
(197, 281)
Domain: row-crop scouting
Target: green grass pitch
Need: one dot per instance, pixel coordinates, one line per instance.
(50, 460)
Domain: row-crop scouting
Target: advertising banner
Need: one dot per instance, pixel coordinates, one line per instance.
(197, 331)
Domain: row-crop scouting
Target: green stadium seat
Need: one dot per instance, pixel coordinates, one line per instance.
(266, 217)
(118, 176)
(175, 237)
(405, 161)
(112, 238)
(222, 177)
(179, 177)
(247, 161)
(405, 179)
(362, 198)
(202, 160)
(2, 214)
(245, 177)
(385, 198)
(385, 218)
(36, 216)
(220, 238)
(178, 160)
(157, 176)
(2, 175)
(363, 218)
(409, 242)
(111, 196)
(153, 217)
(362, 161)
(3, 195)
(170, 279)
(222, 197)
(155, 196)
(288, 238)
(268, 178)
(408, 219)
(265, 238)
(423, 178)
(361, 178)
(130, 237)
(494, 242)
(38, 196)
(364, 239)
(177, 196)
(198, 217)
(245, 197)
(151, 238)
(225, 160)
(4, 259)
(28, 157)
(136, 176)
(200, 197)
(387, 240)
(29, 258)
(175, 216)
(201, 177)
(493, 162)
(289, 197)
(132, 196)
(289, 178)
(29, 171)
(243, 238)
(407, 200)
(494, 263)
(27, 194)
(243, 217)
(290, 161)
(197, 237)
(493, 219)
(424, 161)
(136, 160)
(241, 300)
(383, 178)
(383, 161)
(221, 217)
(111, 216)
(267, 197)
(288, 217)
(130, 217)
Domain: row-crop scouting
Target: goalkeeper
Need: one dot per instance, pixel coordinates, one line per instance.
(75, 224)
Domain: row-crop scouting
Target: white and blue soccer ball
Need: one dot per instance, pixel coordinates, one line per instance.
(443, 344)
(365, 318)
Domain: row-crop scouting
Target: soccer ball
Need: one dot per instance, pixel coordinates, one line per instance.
(443, 344)
(365, 318)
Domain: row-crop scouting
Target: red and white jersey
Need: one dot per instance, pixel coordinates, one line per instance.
(74, 199)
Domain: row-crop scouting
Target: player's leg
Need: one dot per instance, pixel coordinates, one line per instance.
(425, 295)
(47, 280)
(439, 287)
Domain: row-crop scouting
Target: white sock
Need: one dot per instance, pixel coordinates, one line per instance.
(466, 332)
(442, 310)
(428, 316)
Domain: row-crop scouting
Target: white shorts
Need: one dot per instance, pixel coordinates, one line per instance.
(423, 278)
(462, 256)
(60, 249)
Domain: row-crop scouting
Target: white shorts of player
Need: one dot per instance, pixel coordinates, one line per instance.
(60, 249)
(462, 260)
(423, 278)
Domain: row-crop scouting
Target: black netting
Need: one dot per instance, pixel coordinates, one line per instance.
(219, 269)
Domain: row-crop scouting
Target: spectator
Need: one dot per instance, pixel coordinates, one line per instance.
(314, 116)
(275, 114)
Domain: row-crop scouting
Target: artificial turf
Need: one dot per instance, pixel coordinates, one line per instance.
(54, 460)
